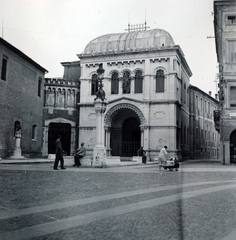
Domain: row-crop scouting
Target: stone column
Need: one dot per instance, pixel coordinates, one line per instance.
(132, 85)
(99, 151)
(120, 86)
(107, 139)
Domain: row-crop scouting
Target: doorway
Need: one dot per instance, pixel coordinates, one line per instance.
(63, 129)
(130, 137)
(233, 147)
(125, 137)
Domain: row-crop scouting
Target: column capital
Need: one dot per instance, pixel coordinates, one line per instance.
(143, 127)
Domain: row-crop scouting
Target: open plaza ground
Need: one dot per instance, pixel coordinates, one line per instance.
(126, 202)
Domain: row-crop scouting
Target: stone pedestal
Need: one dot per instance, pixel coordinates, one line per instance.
(99, 151)
(17, 150)
(99, 156)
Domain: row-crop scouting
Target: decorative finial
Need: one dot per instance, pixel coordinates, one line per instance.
(137, 27)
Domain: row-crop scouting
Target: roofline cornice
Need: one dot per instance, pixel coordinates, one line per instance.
(22, 55)
(202, 92)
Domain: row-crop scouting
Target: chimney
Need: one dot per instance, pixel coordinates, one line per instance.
(210, 93)
(216, 96)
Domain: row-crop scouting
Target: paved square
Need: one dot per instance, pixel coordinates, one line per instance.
(130, 202)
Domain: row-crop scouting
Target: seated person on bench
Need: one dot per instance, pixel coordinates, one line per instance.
(81, 152)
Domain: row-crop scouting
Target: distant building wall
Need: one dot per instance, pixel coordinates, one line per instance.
(60, 111)
(203, 135)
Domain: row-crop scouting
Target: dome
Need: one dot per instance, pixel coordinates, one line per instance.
(127, 42)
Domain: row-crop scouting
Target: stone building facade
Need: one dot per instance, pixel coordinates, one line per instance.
(204, 137)
(21, 105)
(60, 110)
(147, 87)
(225, 39)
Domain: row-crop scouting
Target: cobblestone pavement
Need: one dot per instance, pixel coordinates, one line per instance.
(132, 202)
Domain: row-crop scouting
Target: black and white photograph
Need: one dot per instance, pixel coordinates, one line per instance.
(117, 120)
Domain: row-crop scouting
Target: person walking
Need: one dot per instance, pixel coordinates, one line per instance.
(142, 153)
(162, 156)
(81, 152)
(59, 154)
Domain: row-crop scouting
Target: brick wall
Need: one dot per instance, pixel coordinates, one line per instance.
(20, 102)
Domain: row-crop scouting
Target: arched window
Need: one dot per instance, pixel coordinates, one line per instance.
(160, 81)
(114, 83)
(17, 128)
(94, 85)
(138, 82)
(126, 82)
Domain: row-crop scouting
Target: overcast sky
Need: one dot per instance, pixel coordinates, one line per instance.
(54, 31)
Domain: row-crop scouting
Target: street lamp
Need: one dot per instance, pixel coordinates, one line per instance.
(100, 105)
(100, 94)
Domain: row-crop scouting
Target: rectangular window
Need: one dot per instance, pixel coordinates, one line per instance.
(196, 101)
(185, 136)
(4, 69)
(34, 132)
(138, 82)
(232, 96)
(231, 20)
(39, 86)
(232, 51)
(138, 86)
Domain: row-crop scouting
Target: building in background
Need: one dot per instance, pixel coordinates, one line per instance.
(21, 105)
(60, 110)
(150, 100)
(147, 87)
(204, 137)
(225, 40)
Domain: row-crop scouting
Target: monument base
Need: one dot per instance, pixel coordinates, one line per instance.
(16, 158)
(99, 156)
(17, 150)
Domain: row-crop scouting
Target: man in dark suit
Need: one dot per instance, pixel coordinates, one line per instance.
(59, 154)
(81, 152)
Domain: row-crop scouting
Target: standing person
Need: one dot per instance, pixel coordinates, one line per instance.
(142, 153)
(162, 156)
(59, 154)
(81, 152)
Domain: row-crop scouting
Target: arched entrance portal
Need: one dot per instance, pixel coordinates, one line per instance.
(233, 147)
(131, 137)
(125, 138)
(63, 129)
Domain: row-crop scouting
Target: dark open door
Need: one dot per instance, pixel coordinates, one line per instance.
(63, 129)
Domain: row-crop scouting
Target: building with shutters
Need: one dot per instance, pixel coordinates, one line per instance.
(203, 137)
(225, 40)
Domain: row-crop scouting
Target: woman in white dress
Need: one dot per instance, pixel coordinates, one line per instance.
(162, 156)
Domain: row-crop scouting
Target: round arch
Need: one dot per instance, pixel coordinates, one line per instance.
(113, 110)
(123, 122)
